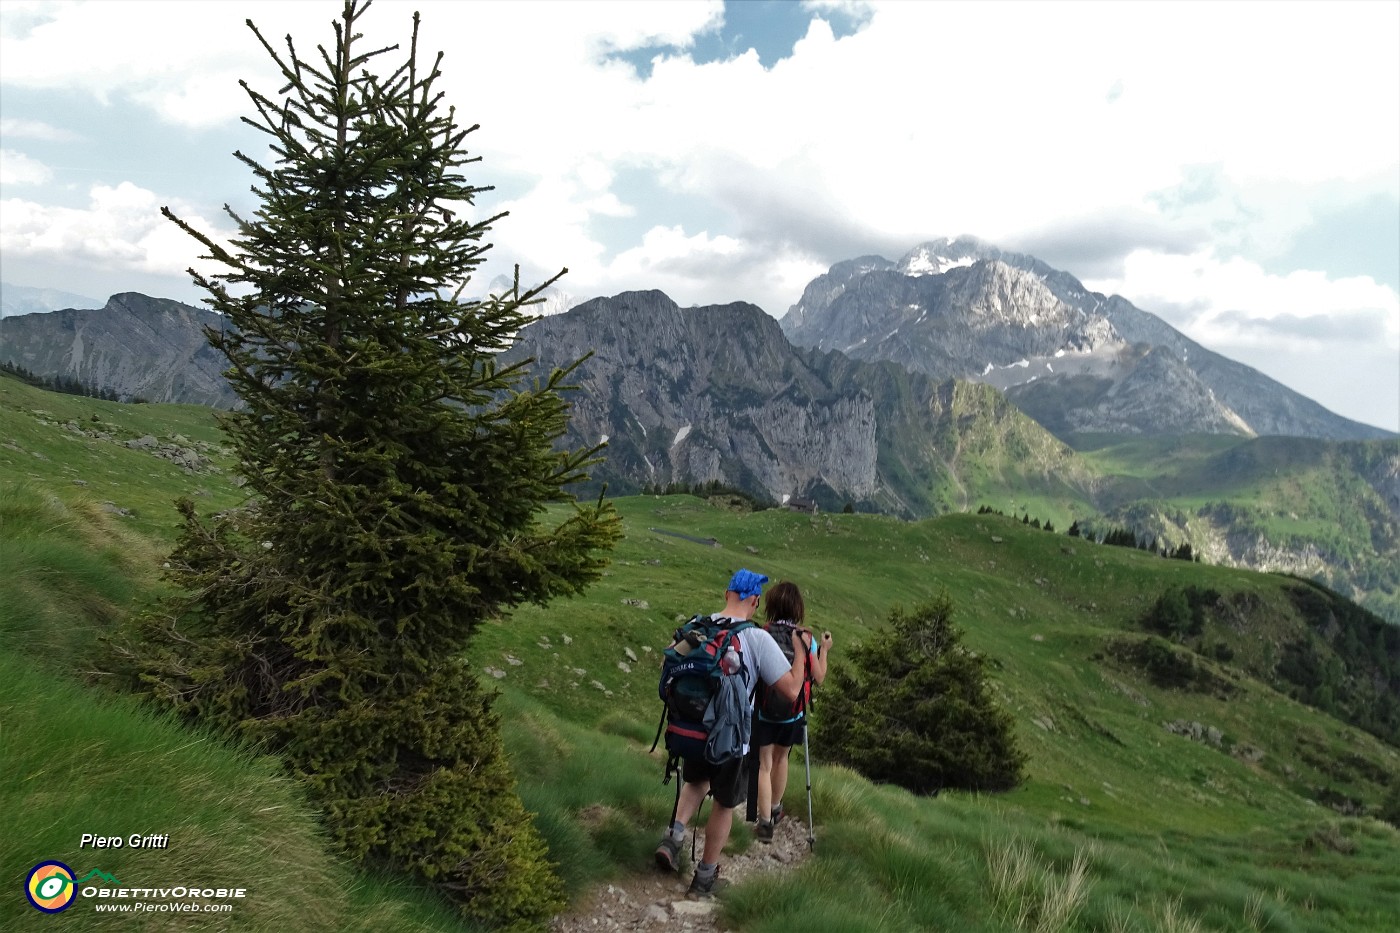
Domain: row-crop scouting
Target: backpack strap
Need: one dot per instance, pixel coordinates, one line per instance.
(660, 728)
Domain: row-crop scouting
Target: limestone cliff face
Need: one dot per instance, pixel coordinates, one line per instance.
(137, 346)
(706, 394)
(1384, 477)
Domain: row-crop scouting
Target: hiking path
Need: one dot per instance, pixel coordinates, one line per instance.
(652, 899)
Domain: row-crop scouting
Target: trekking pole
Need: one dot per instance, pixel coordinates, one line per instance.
(807, 756)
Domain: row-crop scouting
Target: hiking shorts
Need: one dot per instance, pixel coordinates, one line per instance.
(729, 782)
(786, 734)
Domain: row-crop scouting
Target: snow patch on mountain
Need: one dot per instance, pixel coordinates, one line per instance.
(923, 261)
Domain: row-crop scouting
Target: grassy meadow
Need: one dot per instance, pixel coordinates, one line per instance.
(1123, 824)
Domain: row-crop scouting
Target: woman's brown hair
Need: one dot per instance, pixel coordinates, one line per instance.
(783, 603)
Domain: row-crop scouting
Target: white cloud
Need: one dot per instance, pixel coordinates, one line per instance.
(1212, 123)
(16, 168)
(668, 249)
(1336, 341)
(120, 229)
(1225, 292)
(35, 129)
(994, 119)
(620, 25)
(685, 267)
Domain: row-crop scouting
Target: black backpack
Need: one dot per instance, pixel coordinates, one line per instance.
(693, 675)
(773, 706)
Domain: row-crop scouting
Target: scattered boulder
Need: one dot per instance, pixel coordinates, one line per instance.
(1196, 732)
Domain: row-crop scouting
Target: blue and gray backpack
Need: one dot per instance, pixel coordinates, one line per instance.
(705, 711)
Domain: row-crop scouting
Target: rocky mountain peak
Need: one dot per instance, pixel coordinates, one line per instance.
(824, 289)
(936, 257)
(997, 295)
(965, 309)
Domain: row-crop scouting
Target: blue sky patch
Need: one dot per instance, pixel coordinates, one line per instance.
(769, 27)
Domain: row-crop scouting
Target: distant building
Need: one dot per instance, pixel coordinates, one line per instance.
(802, 504)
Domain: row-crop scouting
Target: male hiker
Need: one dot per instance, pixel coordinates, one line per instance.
(728, 782)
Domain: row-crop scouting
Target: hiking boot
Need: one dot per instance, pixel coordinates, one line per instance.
(705, 889)
(764, 831)
(668, 854)
(778, 814)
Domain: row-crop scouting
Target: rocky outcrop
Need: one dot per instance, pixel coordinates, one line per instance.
(1142, 390)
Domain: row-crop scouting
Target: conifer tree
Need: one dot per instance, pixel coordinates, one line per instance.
(400, 478)
(913, 707)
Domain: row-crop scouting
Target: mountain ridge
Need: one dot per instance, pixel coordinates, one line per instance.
(136, 346)
(930, 310)
(716, 394)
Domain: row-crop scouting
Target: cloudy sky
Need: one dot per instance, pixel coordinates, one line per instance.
(1233, 168)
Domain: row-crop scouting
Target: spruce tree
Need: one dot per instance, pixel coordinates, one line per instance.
(405, 486)
(913, 707)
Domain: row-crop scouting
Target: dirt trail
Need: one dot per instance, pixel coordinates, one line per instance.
(656, 900)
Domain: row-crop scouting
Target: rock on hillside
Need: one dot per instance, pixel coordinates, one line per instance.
(1134, 386)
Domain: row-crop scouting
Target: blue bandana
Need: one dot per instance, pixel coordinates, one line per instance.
(747, 583)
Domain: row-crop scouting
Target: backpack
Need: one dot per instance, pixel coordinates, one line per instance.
(706, 711)
(773, 706)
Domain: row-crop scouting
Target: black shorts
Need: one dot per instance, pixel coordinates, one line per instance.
(729, 782)
(778, 733)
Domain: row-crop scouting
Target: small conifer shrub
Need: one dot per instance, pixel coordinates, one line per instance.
(912, 706)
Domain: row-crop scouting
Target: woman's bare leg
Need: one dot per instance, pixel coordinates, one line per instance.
(765, 780)
(778, 764)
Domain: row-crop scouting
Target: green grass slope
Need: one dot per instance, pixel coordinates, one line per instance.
(77, 449)
(1164, 820)
(1205, 806)
(77, 761)
(1328, 511)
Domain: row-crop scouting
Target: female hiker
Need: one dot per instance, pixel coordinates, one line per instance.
(781, 723)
